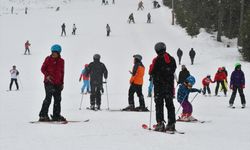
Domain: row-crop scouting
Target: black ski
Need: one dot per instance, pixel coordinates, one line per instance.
(58, 122)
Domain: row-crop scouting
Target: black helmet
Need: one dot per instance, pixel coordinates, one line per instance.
(160, 47)
(137, 56)
(96, 57)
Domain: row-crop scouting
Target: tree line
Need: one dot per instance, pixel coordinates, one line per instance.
(229, 18)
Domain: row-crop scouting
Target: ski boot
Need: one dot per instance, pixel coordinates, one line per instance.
(44, 118)
(98, 107)
(141, 108)
(160, 127)
(92, 107)
(170, 127)
(243, 106)
(129, 108)
(58, 118)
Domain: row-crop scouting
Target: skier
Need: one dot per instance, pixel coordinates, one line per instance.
(14, 73)
(58, 8)
(12, 10)
(26, 10)
(182, 97)
(150, 87)
(53, 70)
(184, 73)
(63, 29)
(162, 70)
(136, 82)
(140, 5)
(156, 4)
(74, 29)
(206, 82)
(219, 78)
(148, 18)
(96, 70)
(108, 29)
(131, 18)
(237, 82)
(192, 55)
(85, 78)
(27, 45)
(179, 54)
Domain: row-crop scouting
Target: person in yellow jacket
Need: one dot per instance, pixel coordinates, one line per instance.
(136, 82)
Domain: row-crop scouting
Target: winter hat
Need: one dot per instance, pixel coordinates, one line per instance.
(56, 48)
(160, 48)
(97, 57)
(190, 80)
(208, 76)
(138, 56)
(237, 65)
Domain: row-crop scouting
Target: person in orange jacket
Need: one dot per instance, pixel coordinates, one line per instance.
(219, 78)
(136, 82)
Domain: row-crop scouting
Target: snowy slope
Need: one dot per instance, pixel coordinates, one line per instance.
(108, 130)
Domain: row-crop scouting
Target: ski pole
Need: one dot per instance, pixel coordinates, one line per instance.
(81, 102)
(150, 113)
(183, 101)
(194, 97)
(107, 93)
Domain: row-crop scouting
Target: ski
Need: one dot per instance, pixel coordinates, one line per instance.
(88, 108)
(58, 122)
(144, 126)
(194, 121)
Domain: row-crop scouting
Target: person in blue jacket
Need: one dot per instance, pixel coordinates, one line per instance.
(237, 82)
(182, 96)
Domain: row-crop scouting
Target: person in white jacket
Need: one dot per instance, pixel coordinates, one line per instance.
(14, 73)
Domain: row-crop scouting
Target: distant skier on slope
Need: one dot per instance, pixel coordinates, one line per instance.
(182, 97)
(53, 70)
(131, 18)
(96, 70)
(179, 54)
(162, 71)
(14, 73)
(136, 82)
(74, 29)
(27, 47)
(63, 29)
(148, 18)
(192, 55)
(108, 29)
(140, 6)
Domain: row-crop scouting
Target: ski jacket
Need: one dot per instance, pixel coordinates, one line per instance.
(14, 73)
(237, 78)
(83, 75)
(53, 70)
(220, 76)
(162, 70)
(27, 44)
(183, 76)
(206, 81)
(137, 74)
(183, 93)
(96, 70)
(192, 53)
(179, 53)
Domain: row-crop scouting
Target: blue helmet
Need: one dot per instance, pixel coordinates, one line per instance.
(190, 80)
(56, 48)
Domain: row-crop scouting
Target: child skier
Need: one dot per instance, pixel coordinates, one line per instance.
(14, 73)
(220, 78)
(27, 49)
(86, 83)
(205, 82)
(182, 96)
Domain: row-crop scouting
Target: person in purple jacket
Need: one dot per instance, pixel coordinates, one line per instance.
(237, 82)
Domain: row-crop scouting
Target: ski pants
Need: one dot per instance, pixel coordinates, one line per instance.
(179, 58)
(192, 60)
(27, 50)
(242, 96)
(222, 85)
(138, 90)
(206, 88)
(86, 84)
(187, 107)
(11, 82)
(95, 96)
(108, 32)
(63, 32)
(162, 94)
(55, 92)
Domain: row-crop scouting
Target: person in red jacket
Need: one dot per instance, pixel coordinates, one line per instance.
(27, 45)
(205, 82)
(53, 70)
(219, 78)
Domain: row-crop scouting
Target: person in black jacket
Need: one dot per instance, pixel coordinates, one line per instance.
(179, 54)
(192, 55)
(162, 71)
(63, 29)
(184, 73)
(96, 70)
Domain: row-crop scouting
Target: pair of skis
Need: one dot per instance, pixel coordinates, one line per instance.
(58, 122)
(144, 126)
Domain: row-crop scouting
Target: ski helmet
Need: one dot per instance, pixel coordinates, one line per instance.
(237, 65)
(160, 47)
(190, 80)
(137, 56)
(97, 57)
(220, 69)
(56, 48)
